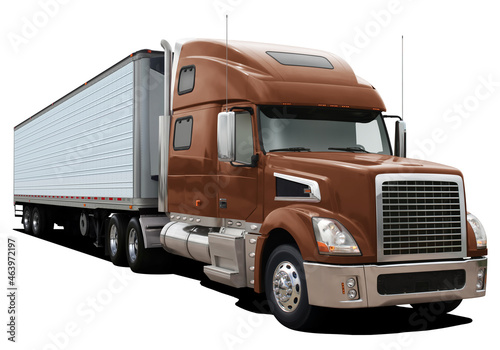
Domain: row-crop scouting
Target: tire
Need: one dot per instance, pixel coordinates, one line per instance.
(135, 251)
(115, 238)
(140, 259)
(439, 308)
(286, 289)
(27, 219)
(38, 222)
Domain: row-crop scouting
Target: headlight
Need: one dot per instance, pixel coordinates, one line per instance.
(478, 231)
(333, 238)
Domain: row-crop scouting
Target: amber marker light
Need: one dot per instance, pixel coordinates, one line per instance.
(322, 247)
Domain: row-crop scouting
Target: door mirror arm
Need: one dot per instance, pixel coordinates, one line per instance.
(254, 160)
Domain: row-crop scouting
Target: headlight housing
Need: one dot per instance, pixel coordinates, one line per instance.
(333, 238)
(479, 231)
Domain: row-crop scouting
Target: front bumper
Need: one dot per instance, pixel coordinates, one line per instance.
(326, 284)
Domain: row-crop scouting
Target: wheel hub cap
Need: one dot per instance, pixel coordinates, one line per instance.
(83, 224)
(286, 286)
(133, 244)
(35, 222)
(113, 240)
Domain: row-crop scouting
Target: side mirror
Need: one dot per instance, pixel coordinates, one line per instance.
(226, 136)
(400, 139)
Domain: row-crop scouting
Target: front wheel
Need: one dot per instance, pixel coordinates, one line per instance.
(286, 288)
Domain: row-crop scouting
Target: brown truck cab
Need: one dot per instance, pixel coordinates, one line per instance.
(291, 187)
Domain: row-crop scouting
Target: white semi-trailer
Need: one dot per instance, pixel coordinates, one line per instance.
(95, 152)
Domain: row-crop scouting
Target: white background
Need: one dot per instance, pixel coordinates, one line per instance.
(451, 48)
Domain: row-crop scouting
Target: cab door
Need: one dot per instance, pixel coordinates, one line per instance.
(238, 181)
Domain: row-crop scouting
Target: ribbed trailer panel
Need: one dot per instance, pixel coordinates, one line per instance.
(83, 146)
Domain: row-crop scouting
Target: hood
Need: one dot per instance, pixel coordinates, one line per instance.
(357, 162)
(347, 185)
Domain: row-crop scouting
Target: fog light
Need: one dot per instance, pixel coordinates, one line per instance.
(479, 285)
(480, 279)
(351, 282)
(352, 294)
(481, 275)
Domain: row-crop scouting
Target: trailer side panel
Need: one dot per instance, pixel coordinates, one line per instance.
(81, 147)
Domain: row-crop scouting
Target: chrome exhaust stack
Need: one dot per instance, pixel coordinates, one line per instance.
(164, 131)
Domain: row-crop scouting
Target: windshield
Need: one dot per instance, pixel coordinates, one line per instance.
(322, 129)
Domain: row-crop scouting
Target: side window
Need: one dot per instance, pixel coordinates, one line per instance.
(182, 133)
(244, 139)
(186, 80)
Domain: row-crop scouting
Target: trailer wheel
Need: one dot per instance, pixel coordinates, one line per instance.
(286, 289)
(27, 219)
(115, 236)
(38, 221)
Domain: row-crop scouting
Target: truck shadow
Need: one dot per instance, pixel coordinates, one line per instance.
(383, 320)
(371, 321)
(72, 241)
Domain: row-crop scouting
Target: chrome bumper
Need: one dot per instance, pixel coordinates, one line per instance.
(326, 284)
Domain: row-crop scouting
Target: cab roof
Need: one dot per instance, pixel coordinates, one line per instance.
(271, 74)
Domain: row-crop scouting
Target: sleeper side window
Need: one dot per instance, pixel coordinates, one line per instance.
(183, 133)
(186, 80)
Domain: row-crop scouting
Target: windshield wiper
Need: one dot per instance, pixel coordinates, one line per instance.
(349, 149)
(291, 149)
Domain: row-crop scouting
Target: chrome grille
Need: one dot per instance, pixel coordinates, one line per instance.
(420, 216)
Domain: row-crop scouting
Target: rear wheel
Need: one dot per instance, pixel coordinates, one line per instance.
(115, 236)
(139, 258)
(38, 221)
(27, 222)
(286, 288)
(135, 246)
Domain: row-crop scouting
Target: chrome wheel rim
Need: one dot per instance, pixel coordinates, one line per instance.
(133, 244)
(27, 218)
(113, 240)
(286, 286)
(35, 221)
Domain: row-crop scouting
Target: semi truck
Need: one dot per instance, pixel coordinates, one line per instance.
(271, 165)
